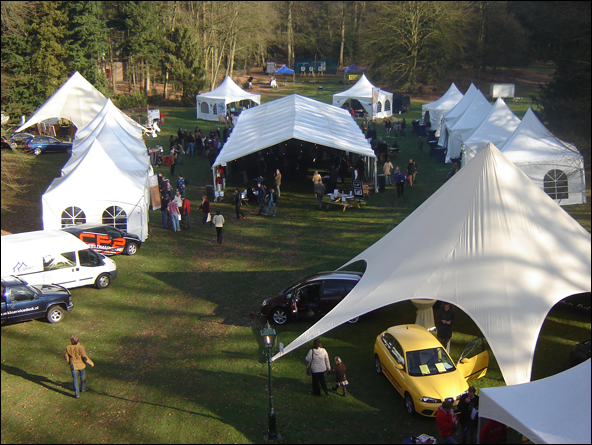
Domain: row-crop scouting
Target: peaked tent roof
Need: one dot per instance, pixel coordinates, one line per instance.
(501, 250)
(438, 108)
(362, 88)
(531, 410)
(363, 91)
(76, 100)
(452, 116)
(294, 117)
(498, 126)
(284, 70)
(230, 92)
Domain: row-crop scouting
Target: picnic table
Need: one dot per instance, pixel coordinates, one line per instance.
(343, 200)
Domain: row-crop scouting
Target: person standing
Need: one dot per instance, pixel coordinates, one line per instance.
(238, 202)
(181, 183)
(446, 421)
(205, 208)
(387, 127)
(175, 215)
(272, 201)
(190, 144)
(411, 172)
(173, 159)
(77, 358)
(218, 221)
(445, 319)
(403, 127)
(399, 181)
(387, 169)
(278, 181)
(318, 361)
(261, 192)
(185, 213)
(164, 210)
(420, 144)
(468, 407)
(340, 378)
(319, 190)
(316, 178)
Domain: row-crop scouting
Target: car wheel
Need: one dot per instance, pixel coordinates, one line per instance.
(409, 405)
(353, 320)
(131, 249)
(378, 365)
(279, 316)
(103, 281)
(55, 314)
(37, 151)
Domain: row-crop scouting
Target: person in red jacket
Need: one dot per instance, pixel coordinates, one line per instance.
(185, 213)
(446, 421)
(205, 208)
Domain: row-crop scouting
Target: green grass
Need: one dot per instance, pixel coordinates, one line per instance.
(176, 341)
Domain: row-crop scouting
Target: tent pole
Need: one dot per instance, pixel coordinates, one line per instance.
(213, 177)
(375, 175)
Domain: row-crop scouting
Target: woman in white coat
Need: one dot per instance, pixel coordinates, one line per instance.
(318, 360)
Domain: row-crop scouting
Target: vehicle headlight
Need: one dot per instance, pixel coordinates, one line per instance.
(430, 400)
(264, 304)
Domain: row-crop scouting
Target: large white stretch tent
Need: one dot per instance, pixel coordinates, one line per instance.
(368, 95)
(498, 126)
(438, 108)
(295, 117)
(76, 100)
(488, 241)
(532, 408)
(213, 103)
(555, 166)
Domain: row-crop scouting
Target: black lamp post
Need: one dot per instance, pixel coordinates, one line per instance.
(268, 334)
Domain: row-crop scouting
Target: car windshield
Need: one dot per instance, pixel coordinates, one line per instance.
(429, 362)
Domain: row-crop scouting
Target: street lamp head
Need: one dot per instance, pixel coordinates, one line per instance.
(268, 334)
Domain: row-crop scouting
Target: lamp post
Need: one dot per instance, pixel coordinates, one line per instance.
(268, 334)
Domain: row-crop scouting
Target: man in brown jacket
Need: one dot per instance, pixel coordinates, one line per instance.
(77, 358)
(278, 181)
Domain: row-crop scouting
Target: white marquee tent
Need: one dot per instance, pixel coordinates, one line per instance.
(295, 117)
(477, 110)
(451, 117)
(96, 190)
(214, 103)
(438, 108)
(555, 166)
(76, 100)
(551, 410)
(498, 248)
(498, 126)
(368, 95)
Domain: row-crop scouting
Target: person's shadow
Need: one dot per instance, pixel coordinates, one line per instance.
(40, 380)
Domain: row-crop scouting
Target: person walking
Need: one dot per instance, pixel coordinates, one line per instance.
(319, 190)
(446, 421)
(272, 201)
(468, 407)
(278, 181)
(205, 208)
(411, 171)
(218, 221)
(261, 192)
(238, 202)
(173, 159)
(173, 209)
(445, 319)
(77, 358)
(185, 213)
(340, 378)
(318, 362)
(387, 169)
(400, 181)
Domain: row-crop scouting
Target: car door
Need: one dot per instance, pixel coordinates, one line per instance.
(389, 357)
(60, 269)
(88, 260)
(474, 360)
(54, 146)
(332, 293)
(24, 304)
(117, 241)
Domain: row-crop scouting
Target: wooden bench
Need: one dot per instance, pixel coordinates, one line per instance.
(345, 205)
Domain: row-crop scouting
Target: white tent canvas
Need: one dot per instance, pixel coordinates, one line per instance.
(454, 115)
(533, 410)
(213, 103)
(498, 126)
(497, 247)
(367, 94)
(96, 186)
(438, 108)
(555, 166)
(477, 110)
(76, 100)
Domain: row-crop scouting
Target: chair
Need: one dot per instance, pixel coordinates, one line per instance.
(222, 119)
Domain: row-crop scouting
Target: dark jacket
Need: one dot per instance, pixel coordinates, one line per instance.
(445, 330)
(339, 372)
(466, 409)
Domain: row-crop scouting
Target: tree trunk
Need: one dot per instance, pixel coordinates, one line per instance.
(343, 4)
(481, 38)
(147, 79)
(166, 83)
(290, 35)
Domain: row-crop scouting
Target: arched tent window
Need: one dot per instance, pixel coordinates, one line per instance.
(555, 184)
(387, 105)
(73, 215)
(378, 107)
(205, 108)
(116, 217)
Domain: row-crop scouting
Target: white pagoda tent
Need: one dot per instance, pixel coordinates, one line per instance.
(438, 108)
(376, 102)
(214, 103)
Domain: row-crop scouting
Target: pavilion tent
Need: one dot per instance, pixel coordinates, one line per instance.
(369, 96)
(212, 104)
(498, 126)
(353, 68)
(438, 108)
(285, 71)
(477, 110)
(295, 117)
(451, 117)
(76, 100)
(555, 166)
(532, 408)
(488, 241)
(97, 191)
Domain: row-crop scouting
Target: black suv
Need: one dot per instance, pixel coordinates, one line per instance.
(105, 239)
(313, 296)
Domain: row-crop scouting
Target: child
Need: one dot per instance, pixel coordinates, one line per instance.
(340, 378)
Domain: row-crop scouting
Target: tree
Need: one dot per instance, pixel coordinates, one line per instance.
(183, 61)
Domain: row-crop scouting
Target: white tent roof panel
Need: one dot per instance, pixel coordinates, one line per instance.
(438, 108)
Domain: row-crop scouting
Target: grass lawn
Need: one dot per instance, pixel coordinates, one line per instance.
(176, 341)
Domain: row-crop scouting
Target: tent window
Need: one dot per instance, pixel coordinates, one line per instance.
(215, 109)
(378, 107)
(387, 105)
(555, 184)
(205, 108)
(73, 215)
(115, 217)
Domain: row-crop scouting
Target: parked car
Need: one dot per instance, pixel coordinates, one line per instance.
(421, 370)
(5, 144)
(580, 353)
(18, 140)
(46, 144)
(313, 296)
(577, 302)
(106, 239)
(22, 302)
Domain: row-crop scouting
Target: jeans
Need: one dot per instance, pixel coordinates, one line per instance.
(449, 439)
(261, 207)
(189, 150)
(78, 389)
(271, 204)
(388, 179)
(165, 220)
(175, 222)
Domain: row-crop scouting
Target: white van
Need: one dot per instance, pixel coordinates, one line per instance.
(55, 257)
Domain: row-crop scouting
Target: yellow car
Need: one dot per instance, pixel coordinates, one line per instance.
(422, 371)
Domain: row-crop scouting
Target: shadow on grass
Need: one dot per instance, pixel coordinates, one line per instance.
(38, 379)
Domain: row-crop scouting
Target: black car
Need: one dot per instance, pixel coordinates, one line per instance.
(18, 140)
(46, 144)
(5, 144)
(313, 296)
(580, 353)
(106, 239)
